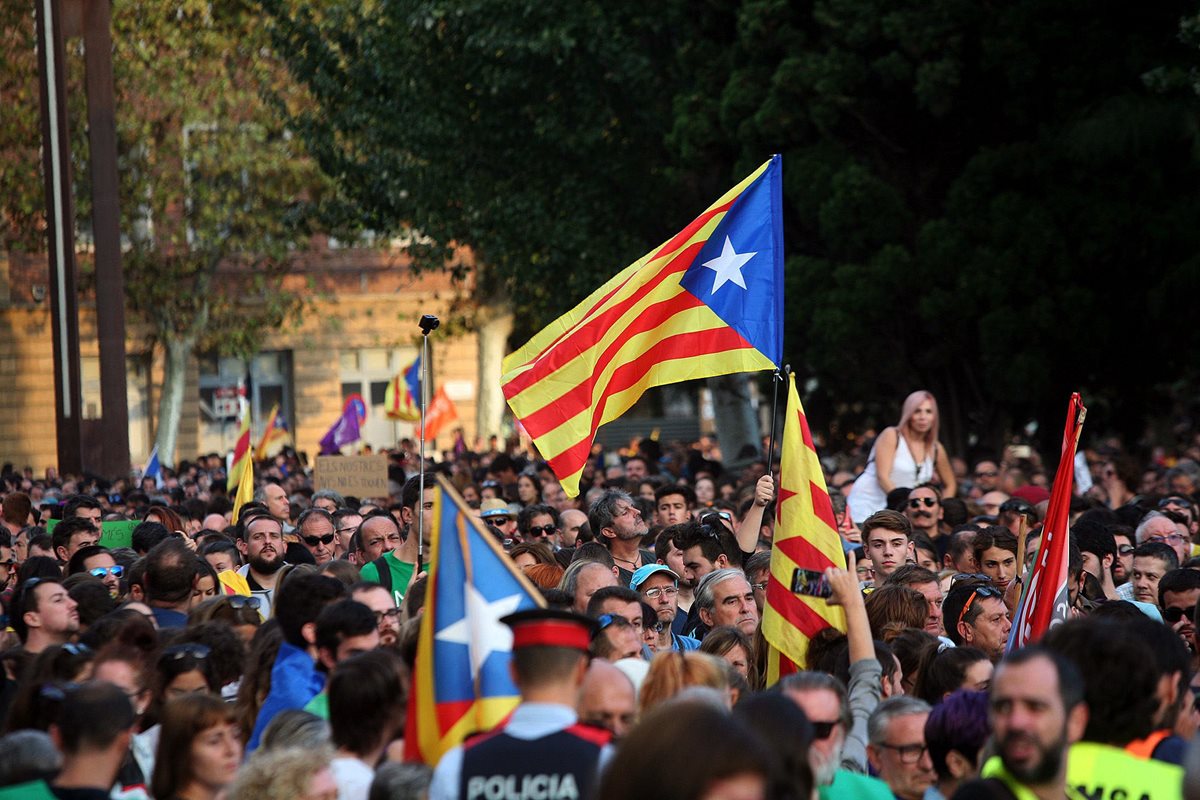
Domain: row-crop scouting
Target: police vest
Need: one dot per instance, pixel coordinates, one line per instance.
(1100, 772)
(558, 766)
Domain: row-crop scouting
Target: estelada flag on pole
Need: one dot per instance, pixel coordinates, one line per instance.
(402, 398)
(461, 682)
(1045, 599)
(708, 302)
(806, 537)
(242, 454)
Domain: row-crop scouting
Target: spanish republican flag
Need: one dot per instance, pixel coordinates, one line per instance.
(242, 453)
(708, 302)
(806, 537)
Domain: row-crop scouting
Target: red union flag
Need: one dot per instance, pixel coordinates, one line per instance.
(1045, 601)
(806, 537)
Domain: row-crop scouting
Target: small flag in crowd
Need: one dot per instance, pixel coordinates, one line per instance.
(242, 453)
(441, 412)
(346, 429)
(245, 491)
(461, 682)
(153, 469)
(806, 537)
(1045, 599)
(274, 432)
(402, 399)
(708, 302)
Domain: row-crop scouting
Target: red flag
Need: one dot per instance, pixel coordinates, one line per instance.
(441, 412)
(1045, 601)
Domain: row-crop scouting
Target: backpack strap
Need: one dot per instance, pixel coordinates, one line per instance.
(385, 572)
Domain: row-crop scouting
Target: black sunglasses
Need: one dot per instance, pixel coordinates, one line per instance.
(313, 541)
(1175, 500)
(822, 730)
(243, 601)
(543, 530)
(915, 502)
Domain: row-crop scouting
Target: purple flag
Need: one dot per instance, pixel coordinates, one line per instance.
(343, 432)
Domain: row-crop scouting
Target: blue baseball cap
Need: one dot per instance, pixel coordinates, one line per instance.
(642, 573)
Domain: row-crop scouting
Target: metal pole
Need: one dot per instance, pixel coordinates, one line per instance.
(776, 379)
(429, 323)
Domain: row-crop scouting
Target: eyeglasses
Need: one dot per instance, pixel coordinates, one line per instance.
(313, 541)
(909, 753)
(979, 591)
(1170, 538)
(390, 614)
(823, 730)
(190, 650)
(99, 572)
(1172, 615)
(656, 626)
(917, 502)
(986, 474)
(239, 601)
(661, 591)
(543, 530)
(759, 587)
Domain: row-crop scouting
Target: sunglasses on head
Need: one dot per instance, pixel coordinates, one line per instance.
(313, 541)
(243, 601)
(917, 502)
(979, 591)
(190, 650)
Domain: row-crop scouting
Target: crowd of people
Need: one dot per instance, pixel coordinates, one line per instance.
(271, 657)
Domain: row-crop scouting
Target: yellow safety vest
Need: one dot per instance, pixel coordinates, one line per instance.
(1101, 772)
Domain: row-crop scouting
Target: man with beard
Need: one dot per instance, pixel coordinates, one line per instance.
(261, 546)
(397, 569)
(924, 510)
(823, 699)
(383, 605)
(616, 521)
(1037, 712)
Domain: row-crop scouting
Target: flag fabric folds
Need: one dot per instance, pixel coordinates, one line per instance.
(1045, 599)
(806, 536)
(461, 682)
(274, 431)
(441, 412)
(708, 302)
(242, 453)
(346, 429)
(153, 469)
(245, 491)
(402, 398)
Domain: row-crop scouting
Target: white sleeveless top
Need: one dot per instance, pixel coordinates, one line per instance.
(867, 496)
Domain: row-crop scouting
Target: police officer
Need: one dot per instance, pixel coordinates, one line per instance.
(542, 752)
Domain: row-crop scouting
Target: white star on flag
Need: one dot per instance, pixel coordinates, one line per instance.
(480, 629)
(728, 266)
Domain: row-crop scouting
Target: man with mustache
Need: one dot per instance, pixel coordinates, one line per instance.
(261, 545)
(924, 510)
(1037, 712)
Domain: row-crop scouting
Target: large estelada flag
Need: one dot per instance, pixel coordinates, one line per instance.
(275, 431)
(1045, 600)
(806, 537)
(242, 452)
(461, 682)
(708, 302)
(402, 398)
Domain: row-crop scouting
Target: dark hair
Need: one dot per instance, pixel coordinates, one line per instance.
(410, 494)
(593, 551)
(184, 719)
(960, 542)
(722, 639)
(912, 646)
(92, 716)
(960, 722)
(785, 728)
(310, 514)
(57, 664)
(1093, 537)
(943, 672)
(227, 652)
(957, 598)
(650, 763)
(72, 504)
(1177, 580)
(1071, 688)
(64, 530)
(1107, 657)
(888, 520)
(148, 534)
(994, 536)
(1163, 552)
(25, 599)
(525, 515)
(895, 607)
(910, 575)
(92, 597)
(622, 593)
(170, 571)
(713, 541)
(539, 550)
(687, 492)
(367, 699)
(299, 601)
(75, 565)
(342, 619)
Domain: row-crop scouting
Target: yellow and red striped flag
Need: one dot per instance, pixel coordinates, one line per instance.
(242, 452)
(708, 302)
(806, 537)
(245, 491)
(275, 430)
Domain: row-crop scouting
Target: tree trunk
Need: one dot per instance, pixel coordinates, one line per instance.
(735, 417)
(495, 324)
(170, 404)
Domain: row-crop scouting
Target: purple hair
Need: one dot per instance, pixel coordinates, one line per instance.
(960, 722)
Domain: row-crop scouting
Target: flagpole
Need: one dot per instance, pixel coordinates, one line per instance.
(776, 379)
(428, 323)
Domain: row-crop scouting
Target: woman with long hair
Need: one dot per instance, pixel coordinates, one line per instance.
(675, 670)
(199, 750)
(906, 454)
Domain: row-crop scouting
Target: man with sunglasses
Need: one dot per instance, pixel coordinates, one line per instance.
(1178, 593)
(896, 746)
(318, 534)
(99, 563)
(539, 523)
(924, 510)
(974, 614)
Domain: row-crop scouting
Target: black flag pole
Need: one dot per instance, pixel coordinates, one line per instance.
(776, 378)
(428, 323)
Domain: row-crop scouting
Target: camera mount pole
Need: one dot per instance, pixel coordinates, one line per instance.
(428, 323)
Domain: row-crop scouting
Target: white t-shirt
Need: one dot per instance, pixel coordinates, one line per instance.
(353, 778)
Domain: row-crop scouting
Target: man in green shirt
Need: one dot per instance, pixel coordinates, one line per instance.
(402, 561)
